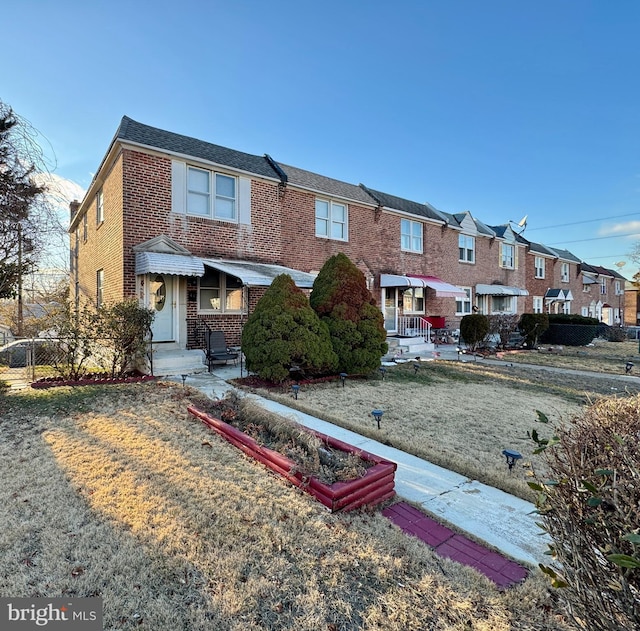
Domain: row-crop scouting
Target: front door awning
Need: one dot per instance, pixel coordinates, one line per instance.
(500, 290)
(442, 289)
(259, 274)
(163, 263)
(559, 295)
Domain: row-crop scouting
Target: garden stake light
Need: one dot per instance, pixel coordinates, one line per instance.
(296, 389)
(184, 378)
(416, 367)
(343, 376)
(628, 366)
(377, 414)
(511, 456)
(383, 372)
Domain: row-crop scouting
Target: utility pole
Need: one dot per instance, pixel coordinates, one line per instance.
(20, 314)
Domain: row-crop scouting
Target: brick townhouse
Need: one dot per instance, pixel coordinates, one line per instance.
(197, 232)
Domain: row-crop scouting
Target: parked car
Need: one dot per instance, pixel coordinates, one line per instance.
(18, 354)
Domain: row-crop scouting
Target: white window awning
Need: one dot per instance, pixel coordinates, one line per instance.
(500, 290)
(588, 280)
(558, 295)
(442, 289)
(173, 264)
(259, 274)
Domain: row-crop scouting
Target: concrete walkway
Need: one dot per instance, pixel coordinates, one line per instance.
(501, 520)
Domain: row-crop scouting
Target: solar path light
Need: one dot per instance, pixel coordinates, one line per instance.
(296, 389)
(511, 456)
(377, 414)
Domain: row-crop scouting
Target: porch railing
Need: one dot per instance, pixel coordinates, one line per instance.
(414, 326)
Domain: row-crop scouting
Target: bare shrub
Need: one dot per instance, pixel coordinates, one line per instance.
(590, 507)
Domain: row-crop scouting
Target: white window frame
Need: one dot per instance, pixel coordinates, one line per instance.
(508, 255)
(585, 312)
(99, 288)
(463, 305)
(413, 300)
(511, 304)
(538, 304)
(330, 225)
(225, 293)
(212, 198)
(564, 273)
(466, 248)
(603, 286)
(618, 289)
(540, 266)
(99, 207)
(566, 307)
(410, 236)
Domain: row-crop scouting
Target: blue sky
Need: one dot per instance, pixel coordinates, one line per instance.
(503, 108)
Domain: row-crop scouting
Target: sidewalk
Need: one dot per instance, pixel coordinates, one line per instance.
(501, 520)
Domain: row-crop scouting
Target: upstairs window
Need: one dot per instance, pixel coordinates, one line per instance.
(618, 288)
(507, 256)
(564, 273)
(99, 208)
(331, 220)
(539, 264)
(211, 195)
(410, 236)
(466, 248)
(603, 286)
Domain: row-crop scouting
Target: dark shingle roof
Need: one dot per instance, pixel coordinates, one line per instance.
(139, 133)
(322, 184)
(566, 255)
(405, 205)
(539, 248)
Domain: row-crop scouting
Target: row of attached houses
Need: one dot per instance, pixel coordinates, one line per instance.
(197, 232)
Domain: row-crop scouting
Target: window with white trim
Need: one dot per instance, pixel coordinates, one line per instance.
(603, 286)
(331, 220)
(539, 265)
(503, 304)
(99, 288)
(99, 207)
(564, 273)
(618, 288)
(585, 312)
(566, 307)
(410, 236)
(212, 195)
(507, 255)
(220, 293)
(463, 305)
(413, 300)
(466, 248)
(538, 304)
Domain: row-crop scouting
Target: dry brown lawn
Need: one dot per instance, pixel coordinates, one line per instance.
(462, 415)
(115, 491)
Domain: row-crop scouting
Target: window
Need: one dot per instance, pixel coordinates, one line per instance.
(331, 220)
(85, 227)
(539, 264)
(413, 300)
(564, 273)
(99, 208)
(410, 236)
(507, 255)
(603, 286)
(466, 248)
(463, 305)
(566, 307)
(538, 304)
(618, 288)
(585, 312)
(211, 194)
(220, 292)
(99, 287)
(502, 304)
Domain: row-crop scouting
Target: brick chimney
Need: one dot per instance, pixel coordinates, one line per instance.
(73, 208)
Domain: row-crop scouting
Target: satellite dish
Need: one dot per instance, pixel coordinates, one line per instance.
(523, 222)
(620, 264)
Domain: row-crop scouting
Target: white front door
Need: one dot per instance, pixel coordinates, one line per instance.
(161, 299)
(390, 301)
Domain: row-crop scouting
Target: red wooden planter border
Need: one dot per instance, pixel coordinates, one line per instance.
(89, 382)
(375, 486)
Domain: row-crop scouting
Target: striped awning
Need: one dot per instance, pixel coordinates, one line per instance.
(173, 264)
(500, 290)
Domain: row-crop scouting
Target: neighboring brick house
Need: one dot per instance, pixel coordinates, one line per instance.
(198, 232)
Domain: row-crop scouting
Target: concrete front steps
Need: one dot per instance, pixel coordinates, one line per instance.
(408, 345)
(171, 360)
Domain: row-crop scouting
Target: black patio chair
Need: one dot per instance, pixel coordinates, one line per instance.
(217, 351)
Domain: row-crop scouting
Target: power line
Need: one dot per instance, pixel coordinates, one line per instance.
(575, 223)
(615, 236)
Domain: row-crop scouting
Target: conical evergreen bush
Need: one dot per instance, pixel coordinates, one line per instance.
(284, 334)
(341, 299)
